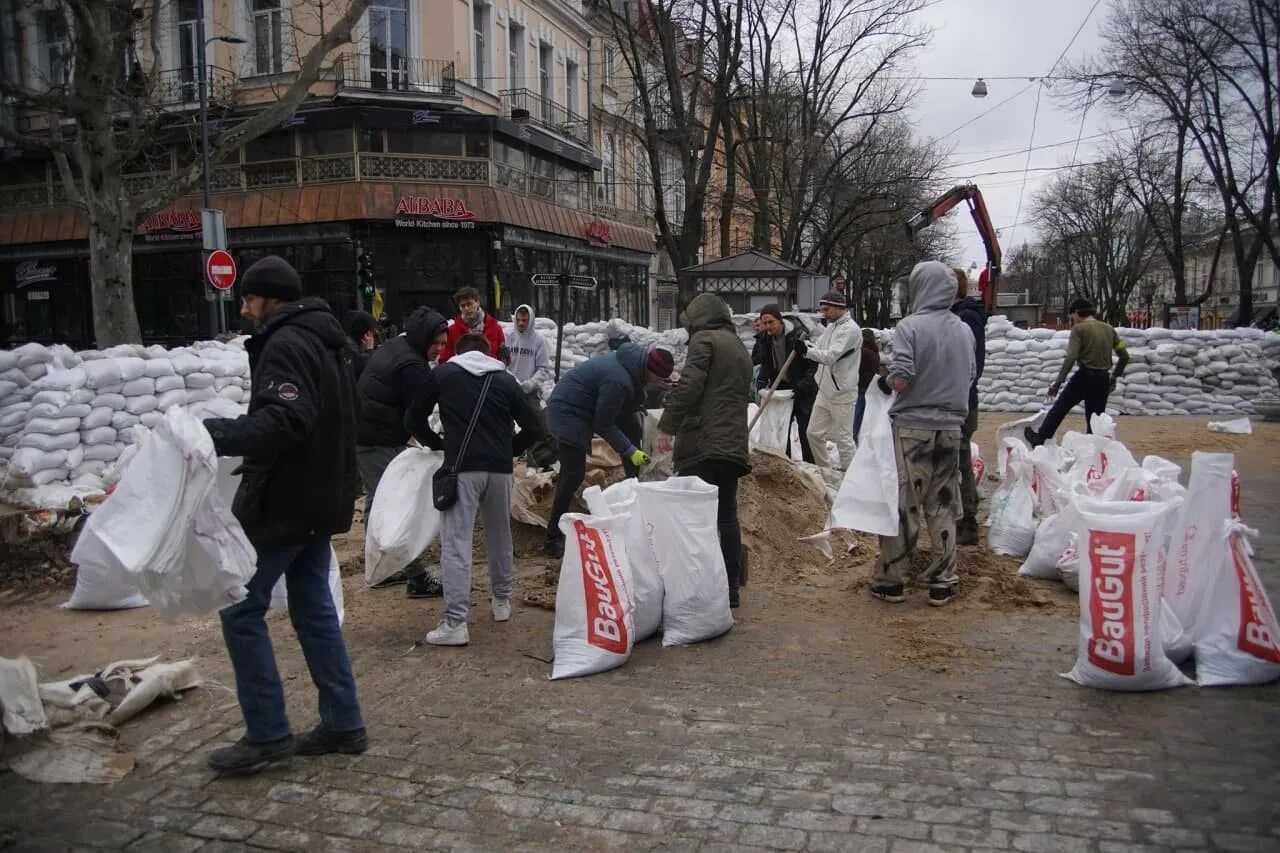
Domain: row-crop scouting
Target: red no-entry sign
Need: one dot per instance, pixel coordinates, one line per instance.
(220, 269)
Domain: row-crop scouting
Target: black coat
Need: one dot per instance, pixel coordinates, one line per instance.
(801, 377)
(974, 314)
(396, 372)
(298, 480)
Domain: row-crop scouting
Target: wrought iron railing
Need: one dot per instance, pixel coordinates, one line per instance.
(416, 167)
(24, 196)
(181, 86)
(544, 112)
(328, 169)
(395, 74)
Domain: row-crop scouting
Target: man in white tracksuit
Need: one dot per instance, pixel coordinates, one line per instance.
(838, 352)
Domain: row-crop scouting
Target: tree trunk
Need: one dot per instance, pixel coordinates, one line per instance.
(115, 320)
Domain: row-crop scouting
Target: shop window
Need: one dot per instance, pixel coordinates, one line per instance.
(275, 146)
(510, 155)
(437, 142)
(477, 144)
(318, 143)
(370, 140)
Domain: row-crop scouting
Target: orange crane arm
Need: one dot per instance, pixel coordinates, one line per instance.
(972, 196)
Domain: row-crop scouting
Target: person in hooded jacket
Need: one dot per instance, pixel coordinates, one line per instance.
(473, 318)
(838, 352)
(931, 369)
(362, 339)
(599, 396)
(531, 367)
(396, 373)
(775, 341)
(974, 315)
(473, 384)
(705, 419)
(297, 489)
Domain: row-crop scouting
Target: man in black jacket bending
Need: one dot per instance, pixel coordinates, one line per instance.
(297, 489)
(484, 472)
(395, 375)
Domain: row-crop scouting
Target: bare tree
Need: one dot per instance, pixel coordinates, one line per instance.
(98, 106)
(1100, 238)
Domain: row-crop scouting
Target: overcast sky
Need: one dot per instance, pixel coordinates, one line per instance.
(1005, 38)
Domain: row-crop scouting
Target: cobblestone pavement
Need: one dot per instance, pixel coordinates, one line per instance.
(823, 721)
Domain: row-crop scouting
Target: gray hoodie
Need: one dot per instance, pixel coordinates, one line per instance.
(528, 351)
(933, 354)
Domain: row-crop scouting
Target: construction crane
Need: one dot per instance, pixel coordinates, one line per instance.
(988, 282)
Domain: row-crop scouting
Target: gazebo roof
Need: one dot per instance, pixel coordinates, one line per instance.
(750, 261)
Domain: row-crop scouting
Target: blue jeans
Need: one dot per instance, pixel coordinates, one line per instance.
(244, 629)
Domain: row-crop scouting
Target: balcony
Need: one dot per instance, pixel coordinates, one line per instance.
(395, 76)
(546, 113)
(180, 87)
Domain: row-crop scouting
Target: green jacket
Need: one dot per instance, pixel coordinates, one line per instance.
(707, 410)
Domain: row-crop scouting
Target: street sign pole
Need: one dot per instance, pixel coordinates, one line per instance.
(564, 307)
(564, 281)
(214, 235)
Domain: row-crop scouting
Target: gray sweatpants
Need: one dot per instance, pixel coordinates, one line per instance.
(491, 494)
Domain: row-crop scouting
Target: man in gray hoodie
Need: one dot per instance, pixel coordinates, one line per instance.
(531, 367)
(931, 369)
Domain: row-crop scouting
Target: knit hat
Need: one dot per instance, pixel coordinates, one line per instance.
(835, 299)
(1080, 305)
(771, 310)
(359, 324)
(273, 278)
(660, 362)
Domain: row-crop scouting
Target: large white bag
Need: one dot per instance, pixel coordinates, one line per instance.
(1238, 638)
(1015, 429)
(1196, 554)
(645, 579)
(594, 629)
(773, 430)
(1013, 511)
(1121, 632)
(403, 520)
(280, 594)
(681, 512)
(1052, 539)
(868, 496)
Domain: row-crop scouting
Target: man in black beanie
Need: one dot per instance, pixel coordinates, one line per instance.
(297, 489)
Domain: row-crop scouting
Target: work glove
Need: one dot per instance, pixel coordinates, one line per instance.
(639, 458)
(883, 385)
(801, 348)
(1054, 389)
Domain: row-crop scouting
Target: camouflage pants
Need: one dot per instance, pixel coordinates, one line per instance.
(929, 494)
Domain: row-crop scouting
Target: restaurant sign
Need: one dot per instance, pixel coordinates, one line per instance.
(433, 212)
(172, 225)
(598, 232)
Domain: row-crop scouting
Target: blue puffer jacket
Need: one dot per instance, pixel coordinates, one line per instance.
(592, 397)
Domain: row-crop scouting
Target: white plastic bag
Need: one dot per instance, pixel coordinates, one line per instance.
(1013, 512)
(280, 594)
(680, 514)
(1053, 536)
(1239, 638)
(868, 496)
(645, 579)
(403, 520)
(1014, 429)
(1238, 426)
(1196, 555)
(1104, 425)
(1047, 483)
(594, 630)
(1121, 551)
(774, 427)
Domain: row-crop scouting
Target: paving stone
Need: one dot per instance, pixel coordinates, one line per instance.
(969, 836)
(220, 828)
(772, 837)
(165, 842)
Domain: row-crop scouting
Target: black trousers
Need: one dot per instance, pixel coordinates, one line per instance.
(1086, 385)
(573, 470)
(801, 409)
(724, 476)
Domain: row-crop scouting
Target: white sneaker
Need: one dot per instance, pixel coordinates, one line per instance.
(445, 634)
(501, 609)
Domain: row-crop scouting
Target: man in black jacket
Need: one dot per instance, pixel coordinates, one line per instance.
(396, 374)
(362, 339)
(473, 383)
(297, 489)
(774, 342)
(974, 314)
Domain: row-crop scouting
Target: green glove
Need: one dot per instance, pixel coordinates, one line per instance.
(639, 458)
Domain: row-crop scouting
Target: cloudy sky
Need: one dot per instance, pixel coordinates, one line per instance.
(1005, 38)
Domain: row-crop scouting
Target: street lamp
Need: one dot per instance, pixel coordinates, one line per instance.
(217, 315)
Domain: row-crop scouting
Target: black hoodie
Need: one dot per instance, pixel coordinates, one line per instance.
(298, 439)
(394, 377)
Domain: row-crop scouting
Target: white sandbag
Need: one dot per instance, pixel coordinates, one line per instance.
(1069, 563)
(140, 405)
(1237, 426)
(53, 426)
(280, 594)
(1014, 429)
(150, 419)
(868, 495)
(14, 414)
(75, 410)
(41, 441)
(1121, 551)
(98, 417)
(1053, 536)
(102, 373)
(63, 379)
(404, 520)
(200, 395)
(75, 456)
(681, 512)
(33, 353)
(81, 396)
(56, 399)
(1104, 425)
(594, 629)
(49, 476)
(89, 466)
(1239, 638)
(103, 452)
(158, 367)
(199, 380)
(26, 461)
(169, 399)
(234, 393)
(1047, 484)
(1013, 511)
(1196, 552)
(170, 383)
(131, 368)
(115, 402)
(1099, 462)
(773, 429)
(98, 588)
(141, 387)
(98, 435)
(644, 578)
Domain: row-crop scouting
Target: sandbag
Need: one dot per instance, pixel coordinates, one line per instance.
(100, 435)
(594, 629)
(280, 593)
(773, 429)
(868, 495)
(681, 512)
(1014, 429)
(1013, 511)
(98, 417)
(644, 580)
(1053, 535)
(1121, 552)
(1238, 638)
(1104, 425)
(403, 520)
(49, 443)
(170, 383)
(1196, 555)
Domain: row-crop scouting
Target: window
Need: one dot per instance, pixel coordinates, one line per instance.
(370, 140)
(318, 143)
(188, 45)
(389, 44)
(607, 70)
(480, 28)
(515, 56)
(268, 38)
(273, 146)
(436, 142)
(643, 182)
(477, 144)
(571, 86)
(54, 50)
(546, 56)
(610, 171)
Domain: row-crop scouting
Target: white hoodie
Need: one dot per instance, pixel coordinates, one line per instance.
(838, 352)
(528, 352)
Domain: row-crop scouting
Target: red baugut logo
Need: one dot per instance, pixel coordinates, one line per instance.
(181, 221)
(1112, 558)
(1257, 635)
(453, 209)
(605, 626)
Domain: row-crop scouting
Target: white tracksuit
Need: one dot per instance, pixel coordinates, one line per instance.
(838, 352)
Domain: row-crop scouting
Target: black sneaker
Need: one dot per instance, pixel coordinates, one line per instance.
(1033, 438)
(891, 592)
(967, 531)
(939, 596)
(733, 598)
(322, 741)
(423, 586)
(394, 580)
(244, 758)
(553, 548)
